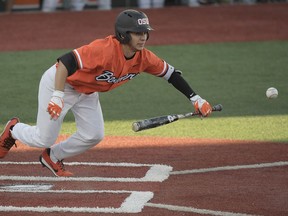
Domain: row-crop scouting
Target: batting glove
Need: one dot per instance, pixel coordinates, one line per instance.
(201, 105)
(56, 104)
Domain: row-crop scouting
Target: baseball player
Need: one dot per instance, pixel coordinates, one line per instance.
(74, 83)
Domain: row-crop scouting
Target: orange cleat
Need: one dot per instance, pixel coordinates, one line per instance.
(6, 139)
(56, 168)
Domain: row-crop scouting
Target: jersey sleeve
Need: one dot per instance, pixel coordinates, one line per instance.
(89, 56)
(156, 66)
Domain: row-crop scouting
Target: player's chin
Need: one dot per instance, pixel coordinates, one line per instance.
(140, 47)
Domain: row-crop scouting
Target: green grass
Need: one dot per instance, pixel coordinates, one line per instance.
(233, 74)
(261, 128)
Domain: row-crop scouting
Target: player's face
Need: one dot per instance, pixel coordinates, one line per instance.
(138, 40)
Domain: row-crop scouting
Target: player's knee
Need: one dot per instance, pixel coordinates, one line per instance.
(45, 141)
(98, 137)
(93, 139)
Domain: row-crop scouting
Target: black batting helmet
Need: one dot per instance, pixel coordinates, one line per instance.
(131, 21)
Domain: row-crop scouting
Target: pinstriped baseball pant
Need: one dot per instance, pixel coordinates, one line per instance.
(88, 117)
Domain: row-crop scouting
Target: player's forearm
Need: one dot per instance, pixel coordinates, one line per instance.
(60, 77)
(181, 85)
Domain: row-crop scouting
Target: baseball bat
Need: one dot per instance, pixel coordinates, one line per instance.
(167, 119)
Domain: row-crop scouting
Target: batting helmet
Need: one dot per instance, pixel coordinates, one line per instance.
(131, 21)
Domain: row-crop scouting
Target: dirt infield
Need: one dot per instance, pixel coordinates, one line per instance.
(144, 175)
(192, 177)
(173, 25)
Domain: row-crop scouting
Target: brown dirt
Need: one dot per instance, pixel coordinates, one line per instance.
(173, 25)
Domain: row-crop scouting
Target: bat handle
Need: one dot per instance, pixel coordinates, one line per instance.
(217, 107)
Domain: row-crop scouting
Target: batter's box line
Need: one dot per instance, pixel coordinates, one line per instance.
(228, 168)
(156, 173)
(134, 203)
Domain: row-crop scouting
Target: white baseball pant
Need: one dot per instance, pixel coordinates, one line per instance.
(88, 117)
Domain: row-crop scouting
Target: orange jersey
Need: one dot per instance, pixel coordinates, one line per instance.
(103, 67)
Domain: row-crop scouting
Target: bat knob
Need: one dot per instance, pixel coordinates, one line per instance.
(135, 126)
(217, 107)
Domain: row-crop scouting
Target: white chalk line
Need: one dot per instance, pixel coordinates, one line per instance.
(194, 210)
(121, 164)
(214, 169)
(134, 203)
(156, 173)
(227, 168)
(25, 187)
(163, 206)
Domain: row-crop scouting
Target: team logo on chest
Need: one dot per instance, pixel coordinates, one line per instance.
(108, 76)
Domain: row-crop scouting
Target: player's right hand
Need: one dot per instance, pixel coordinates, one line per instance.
(56, 104)
(201, 106)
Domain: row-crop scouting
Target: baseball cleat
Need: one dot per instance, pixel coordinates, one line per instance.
(6, 139)
(56, 168)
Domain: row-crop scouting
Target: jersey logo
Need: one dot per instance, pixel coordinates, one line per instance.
(108, 76)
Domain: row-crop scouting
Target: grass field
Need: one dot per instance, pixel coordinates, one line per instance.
(233, 74)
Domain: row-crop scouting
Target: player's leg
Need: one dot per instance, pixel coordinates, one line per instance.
(45, 132)
(77, 5)
(49, 5)
(90, 128)
(104, 4)
(90, 131)
(158, 3)
(144, 4)
(47, 157)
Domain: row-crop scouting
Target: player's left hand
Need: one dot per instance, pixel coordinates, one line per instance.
(201, 106)
(56, 105)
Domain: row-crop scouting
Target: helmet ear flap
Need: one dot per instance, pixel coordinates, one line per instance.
(124, 38)
(127, 38)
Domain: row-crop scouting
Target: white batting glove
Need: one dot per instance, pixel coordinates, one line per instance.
(56, 104)
(201, 105)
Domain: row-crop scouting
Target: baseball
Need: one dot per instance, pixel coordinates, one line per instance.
(272, 93)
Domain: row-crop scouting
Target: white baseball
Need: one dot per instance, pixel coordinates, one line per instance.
(272, 93)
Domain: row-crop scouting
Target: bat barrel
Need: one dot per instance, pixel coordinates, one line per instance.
(162, 120)
(153, 122)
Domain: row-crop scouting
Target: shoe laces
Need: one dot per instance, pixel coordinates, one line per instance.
(61, 165)
(9, 142)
